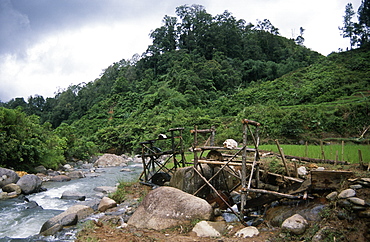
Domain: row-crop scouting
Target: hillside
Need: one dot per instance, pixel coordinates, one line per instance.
(211, 71)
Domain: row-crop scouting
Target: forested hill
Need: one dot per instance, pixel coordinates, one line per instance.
(208, 71)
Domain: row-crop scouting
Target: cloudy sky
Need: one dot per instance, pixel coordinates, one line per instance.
(46, 45)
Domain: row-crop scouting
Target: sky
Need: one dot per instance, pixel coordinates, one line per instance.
(48, 45)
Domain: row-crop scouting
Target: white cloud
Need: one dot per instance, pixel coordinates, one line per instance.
(53, 57)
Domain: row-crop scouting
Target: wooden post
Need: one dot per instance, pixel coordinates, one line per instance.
(360, 159)
(306, 149)
(322, 150)
(342, 150)
(336, 157)
(282, 157)
(194, 147)
(213, 134)
(243, 177)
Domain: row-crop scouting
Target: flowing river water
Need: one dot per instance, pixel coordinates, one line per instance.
(20, 222)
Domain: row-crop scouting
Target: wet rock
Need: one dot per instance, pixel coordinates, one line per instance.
(73, 195)
(105, 189)
(87, 166)
(107, 160)
(247, 232)
(347, 193)
(295, 224)
(66, 218)
(76, 174)
(60, 178)
(106, 203)
(7, 176)
(52, 230)
(94, 203)
(209, 229)
(33, 205)
(29, 184)
(167, 207)
(12, 188)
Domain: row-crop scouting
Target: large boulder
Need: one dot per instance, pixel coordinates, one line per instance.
(188, 180)
(107, 160)
(69, 217)
(7, 176)
(29, 184)
(167, 207)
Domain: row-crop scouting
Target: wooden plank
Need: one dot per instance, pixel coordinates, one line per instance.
(220, 162)
(328, 179)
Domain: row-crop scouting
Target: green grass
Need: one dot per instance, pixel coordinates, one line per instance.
(350, 151)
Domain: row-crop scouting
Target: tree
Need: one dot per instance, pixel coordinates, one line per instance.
(348, 30)
(299, 40)
(165, 37)
(363, 27)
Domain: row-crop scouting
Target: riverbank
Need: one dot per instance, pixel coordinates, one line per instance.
(337, 220)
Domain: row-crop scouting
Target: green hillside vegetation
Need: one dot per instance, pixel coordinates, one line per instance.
(207, 71)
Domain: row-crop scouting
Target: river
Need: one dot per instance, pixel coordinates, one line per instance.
(18, 222)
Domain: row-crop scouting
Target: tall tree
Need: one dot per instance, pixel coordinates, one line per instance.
(363, 27)
(348, 29)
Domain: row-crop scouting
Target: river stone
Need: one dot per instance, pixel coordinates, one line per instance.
(357, 201)
(295, 224)
(41, 169)
(107, 160)
(167, 207)
(60, 178)
(7, 176)
(347, 193)
(66, 218)
(29, 183)
(73, 195)
(3, 195)
(93, 203)
(105, 189)
(12, 188)
(209, 229)
(52, 230)
(76, 174)
(364, 214)
(247, 232)
(332, 196)
(106, 203)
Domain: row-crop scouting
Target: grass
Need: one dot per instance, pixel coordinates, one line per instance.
(332, 152)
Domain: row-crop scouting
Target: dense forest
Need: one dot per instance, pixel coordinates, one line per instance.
(200, 70)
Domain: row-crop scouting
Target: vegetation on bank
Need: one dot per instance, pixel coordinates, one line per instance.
(200, 70)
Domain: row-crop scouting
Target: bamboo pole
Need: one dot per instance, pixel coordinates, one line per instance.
(218, 194)
(360, 159)
(282, 157)
(342, 150)
(306, 149)
(322, 150)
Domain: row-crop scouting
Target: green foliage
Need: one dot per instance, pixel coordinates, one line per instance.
(25, 144)
(203, 70)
